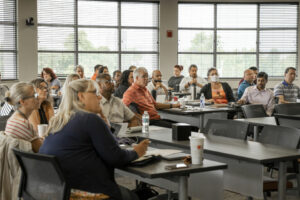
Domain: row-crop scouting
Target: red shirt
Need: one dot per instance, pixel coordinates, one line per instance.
(142, 97)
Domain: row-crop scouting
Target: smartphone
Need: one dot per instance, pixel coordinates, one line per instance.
(177, 166)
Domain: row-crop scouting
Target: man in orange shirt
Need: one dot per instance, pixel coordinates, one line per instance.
(96, 71)
(137, 93)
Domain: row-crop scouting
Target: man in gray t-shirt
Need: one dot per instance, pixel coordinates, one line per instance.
(286, 91)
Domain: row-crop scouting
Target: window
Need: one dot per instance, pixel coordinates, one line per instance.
(87, 32)
(8, 38)
(234, 37)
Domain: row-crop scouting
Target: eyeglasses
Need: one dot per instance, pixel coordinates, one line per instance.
(35, 95)
(108, 81)
(96, 92)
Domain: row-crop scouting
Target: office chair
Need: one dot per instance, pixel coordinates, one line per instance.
(227, 128)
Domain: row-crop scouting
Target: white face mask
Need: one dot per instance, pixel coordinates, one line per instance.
(214, 78)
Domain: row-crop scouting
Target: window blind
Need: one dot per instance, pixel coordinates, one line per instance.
(237, 36)
(112, 33)
(8, 38)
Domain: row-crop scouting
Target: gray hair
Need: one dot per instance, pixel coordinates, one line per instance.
(17, 92)
(138, 72)
(79, 66)
(70, 103)
(68, 80)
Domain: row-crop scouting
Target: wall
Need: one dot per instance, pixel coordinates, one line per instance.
(27, 42)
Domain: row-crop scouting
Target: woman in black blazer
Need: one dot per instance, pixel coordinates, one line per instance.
(216, 91)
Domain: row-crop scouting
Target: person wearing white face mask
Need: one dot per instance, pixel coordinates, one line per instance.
(216, 91)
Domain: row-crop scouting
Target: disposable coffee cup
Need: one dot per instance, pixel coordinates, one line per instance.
(197, 143)
(182, 103)
(42, 128)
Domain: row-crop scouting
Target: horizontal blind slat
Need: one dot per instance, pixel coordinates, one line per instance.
(8, 39)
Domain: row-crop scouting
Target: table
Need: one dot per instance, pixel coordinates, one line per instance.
(245, 160)
(157, 170)
(259, 121)
(195, 117)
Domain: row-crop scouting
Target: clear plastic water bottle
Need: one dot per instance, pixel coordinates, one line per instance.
(202, 101)
(145, 121)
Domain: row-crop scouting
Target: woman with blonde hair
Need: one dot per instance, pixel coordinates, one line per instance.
(25, 100)
(84, 145)
(43, 114)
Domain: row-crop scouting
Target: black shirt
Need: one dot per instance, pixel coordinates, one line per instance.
(173, 81)
(120, 91)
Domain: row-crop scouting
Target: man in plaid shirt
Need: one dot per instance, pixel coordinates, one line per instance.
(138, 94)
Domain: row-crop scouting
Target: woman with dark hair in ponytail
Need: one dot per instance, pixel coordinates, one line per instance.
(126, 82)
(176, 79)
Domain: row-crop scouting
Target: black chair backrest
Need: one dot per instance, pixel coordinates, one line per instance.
(253, 111)
(287, 120)
(279, 135)
(42, 177)
(288, 109)
(227, 128)
(3, 120)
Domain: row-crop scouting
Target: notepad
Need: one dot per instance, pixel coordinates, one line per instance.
(167, 154)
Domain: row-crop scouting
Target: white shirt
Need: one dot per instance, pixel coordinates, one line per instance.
(265, 97)
(115, 110)
(187, 79)
(159, 91)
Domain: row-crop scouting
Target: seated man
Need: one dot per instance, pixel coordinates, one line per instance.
(258, 94)
(137, 93)
(192, 79)
(156, 87)
(248, 81)
(112, 107)
(286, 91)
(96, 71)
(255, 71)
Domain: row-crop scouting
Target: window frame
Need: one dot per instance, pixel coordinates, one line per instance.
(215, 29)
(15, 51)
(119, 28)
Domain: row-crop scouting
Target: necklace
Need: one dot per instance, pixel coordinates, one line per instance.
(23, 115)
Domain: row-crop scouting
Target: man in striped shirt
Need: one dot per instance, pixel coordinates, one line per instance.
(286, 91)
(138, 94)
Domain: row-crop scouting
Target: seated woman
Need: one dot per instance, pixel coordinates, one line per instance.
(216, 91)
(25, 100)
(45, 112)
(84, 145)
(50, 77)
(126, 82)
(69, 79)
(80, 71)
(176, 79)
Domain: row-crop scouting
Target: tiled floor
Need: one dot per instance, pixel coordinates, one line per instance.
(130, 183)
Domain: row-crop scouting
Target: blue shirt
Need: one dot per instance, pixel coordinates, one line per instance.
(88, 154)
(242, 88)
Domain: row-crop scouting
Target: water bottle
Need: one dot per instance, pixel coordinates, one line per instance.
(202, 101)
(145, 120)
